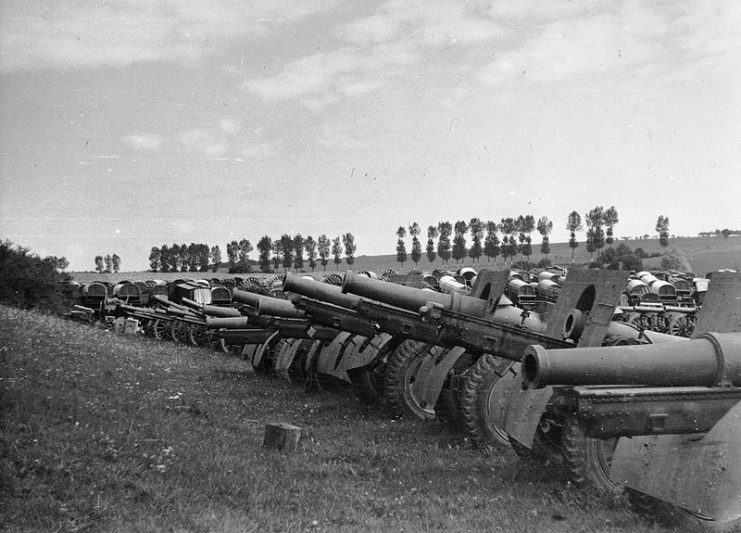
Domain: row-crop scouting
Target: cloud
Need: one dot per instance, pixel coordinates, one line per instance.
(203, 141)
(636, 37)
(258, 150)
(378, 50)
(333, 136)
(228, 139)
(145, 142)
(37, 34)
(229, 126)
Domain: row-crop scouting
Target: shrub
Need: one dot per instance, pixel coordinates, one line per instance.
(674, 259)
(28, 281)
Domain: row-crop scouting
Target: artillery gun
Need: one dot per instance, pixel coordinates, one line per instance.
(357, 354)
(479, 336)
(293, 335)
(663, 421)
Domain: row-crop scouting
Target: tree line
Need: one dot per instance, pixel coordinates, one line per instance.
(286, 252)
(511, 237)
(516, 239)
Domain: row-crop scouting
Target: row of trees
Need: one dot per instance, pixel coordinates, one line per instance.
(108, 263)
(193, 257)
(287, 251)
(725, 233)
(516, 237)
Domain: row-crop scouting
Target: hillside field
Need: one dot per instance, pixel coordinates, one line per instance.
(106, 433)
(705, 254)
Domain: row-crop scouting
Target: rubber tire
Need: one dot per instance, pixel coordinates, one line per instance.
(399, 377)
(543, 451)
(480, 379)
(587, 460)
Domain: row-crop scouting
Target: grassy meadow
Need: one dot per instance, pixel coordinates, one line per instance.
(705, 254)
(106, 433)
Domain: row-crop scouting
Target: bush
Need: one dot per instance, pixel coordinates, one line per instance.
(620, 258)
(521, 265)
(28, 281)
(544, 263)
(240, 268)
(675, 259)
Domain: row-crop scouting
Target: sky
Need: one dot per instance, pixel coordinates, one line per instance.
(131, 124)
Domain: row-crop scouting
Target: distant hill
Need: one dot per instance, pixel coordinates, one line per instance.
(705, 254)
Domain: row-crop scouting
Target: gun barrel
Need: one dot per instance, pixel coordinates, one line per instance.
(336, 317)
(410, 298)
(222, 312)
(267, 305)
(709, 360)
(228, 323)
(319, 291)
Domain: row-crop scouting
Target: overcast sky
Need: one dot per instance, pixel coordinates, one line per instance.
(136, 123)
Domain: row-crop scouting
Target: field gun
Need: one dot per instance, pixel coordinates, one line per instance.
(656, 316)
(679, 405)
(358, 347)
(296, 336)
(482, 341)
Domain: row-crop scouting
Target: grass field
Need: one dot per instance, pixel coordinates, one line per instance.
(705, 254)
(107, 433)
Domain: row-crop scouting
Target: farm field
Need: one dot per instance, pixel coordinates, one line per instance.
(108, 433)
(705, 254)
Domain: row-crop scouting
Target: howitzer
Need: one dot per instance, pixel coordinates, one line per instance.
(669, 464)
(275, 314)
(353, 354)
(499, 328)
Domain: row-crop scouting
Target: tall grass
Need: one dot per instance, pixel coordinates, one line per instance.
(107, 433)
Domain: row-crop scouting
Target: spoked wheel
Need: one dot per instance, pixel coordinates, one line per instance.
(179, 331)
(477, 401)
(681, 326)
(231, 349)
(197, 335)
(160, 329)
(655, 510)
(587, 460)
(399, 379)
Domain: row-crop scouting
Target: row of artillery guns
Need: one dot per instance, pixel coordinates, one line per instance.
(565, 382)
(96, 299)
